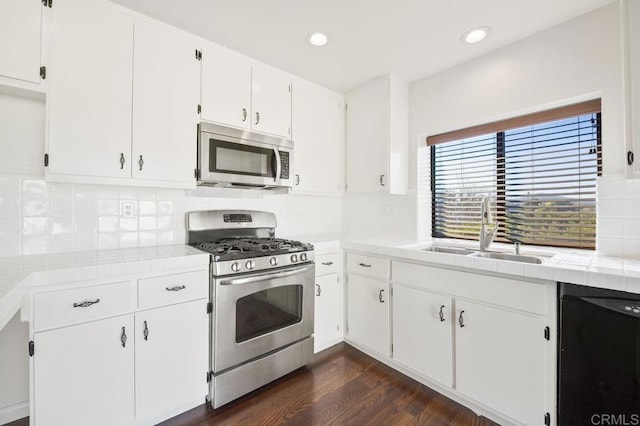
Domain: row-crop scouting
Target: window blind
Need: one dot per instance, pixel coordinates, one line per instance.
(541, 179)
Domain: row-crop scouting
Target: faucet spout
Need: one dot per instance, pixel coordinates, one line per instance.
(488, 228)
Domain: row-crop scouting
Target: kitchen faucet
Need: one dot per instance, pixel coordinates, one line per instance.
(487, 234)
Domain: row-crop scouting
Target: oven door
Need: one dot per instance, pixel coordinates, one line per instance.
(259, 313)
(232, 161)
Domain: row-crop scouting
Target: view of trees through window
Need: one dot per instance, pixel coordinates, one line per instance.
(541, 180)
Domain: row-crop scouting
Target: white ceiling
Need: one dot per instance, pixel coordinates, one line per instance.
(412, 38)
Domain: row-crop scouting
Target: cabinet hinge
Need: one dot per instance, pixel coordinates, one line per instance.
(199, 108)
(547, 333)
(43, 73)
(46, 160)
(46, 3)
(629, 157)
(392, 349)
(196, 173)
(209, 307)
(391, 291)
(289, 88)
(209, 376)
(32, 348)
(547, 419)
(198, 55)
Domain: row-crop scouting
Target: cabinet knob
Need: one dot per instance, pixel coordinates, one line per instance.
(297, 179)
(364, 265)
(380, 296)
(381, 180)
(244, 115)
(318, 290)
(86, 303)
(461, 319)
(122, 160)
(176, 288)
(145, 332)
(123, 337)
(257, 117)
(141, 162)
(327, 263)
(441, 314)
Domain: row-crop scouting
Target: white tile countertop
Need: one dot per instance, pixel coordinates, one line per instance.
(562, 265)
(20, 274)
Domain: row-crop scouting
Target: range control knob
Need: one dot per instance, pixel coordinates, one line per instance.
(235, 266)
(250, 264)
(303, 257)
(273, 261)
(294, 258)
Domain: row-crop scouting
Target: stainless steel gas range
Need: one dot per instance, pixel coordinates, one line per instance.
(262, 300)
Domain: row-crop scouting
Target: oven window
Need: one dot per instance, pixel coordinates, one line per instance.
(268, 310)
(236, 158)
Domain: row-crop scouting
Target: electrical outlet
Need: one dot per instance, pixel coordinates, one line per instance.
(127, 209)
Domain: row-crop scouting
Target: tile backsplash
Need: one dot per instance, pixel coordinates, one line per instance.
(618, 231)
(40, 217)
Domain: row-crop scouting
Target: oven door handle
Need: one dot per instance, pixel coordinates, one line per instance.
(273, 276)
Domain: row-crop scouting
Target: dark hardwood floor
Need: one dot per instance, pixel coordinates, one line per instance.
(341, 386)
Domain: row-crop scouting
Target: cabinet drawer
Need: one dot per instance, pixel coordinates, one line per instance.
(327, 264)
(55, 308)
(176, 288)
(368, 265)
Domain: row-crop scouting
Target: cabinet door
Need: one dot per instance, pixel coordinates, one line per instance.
(368, 137)
(328, 312)
(166, 93)
(90, 90)
(423, 333)
(368, 312)
(318, 134)
(226, 88)
(20, 32)
(84, 375)
(172, 361)
(500, 360)
(271, 101)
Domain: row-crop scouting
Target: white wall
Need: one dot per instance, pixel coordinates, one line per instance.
(580, 59)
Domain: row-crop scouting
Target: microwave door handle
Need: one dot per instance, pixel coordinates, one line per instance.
(276, 153)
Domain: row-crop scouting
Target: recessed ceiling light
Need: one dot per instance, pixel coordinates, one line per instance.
(476, 34)
(318, 38)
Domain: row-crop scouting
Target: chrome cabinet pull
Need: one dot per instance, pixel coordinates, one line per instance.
(327, 263)
(441, 313)
(123, 337)
(86, 303)
(297, 180)
(319, 290)
(244, 115)
(461, 319)
(176, 288)
(257, 117)
(141, 162)
(122, 160)
(380, 296)
(364, 265)
(381, 180)
(145, 332)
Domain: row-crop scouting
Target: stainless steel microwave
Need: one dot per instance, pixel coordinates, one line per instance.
(242, 159)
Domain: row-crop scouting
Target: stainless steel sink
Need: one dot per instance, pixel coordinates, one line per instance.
(506, 256)
(449, 250)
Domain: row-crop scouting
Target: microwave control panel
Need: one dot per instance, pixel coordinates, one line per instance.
(284, 162)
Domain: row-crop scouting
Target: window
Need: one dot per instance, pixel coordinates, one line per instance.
(539, 171)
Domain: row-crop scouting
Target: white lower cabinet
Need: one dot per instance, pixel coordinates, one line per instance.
(500, 360)
(84, 374)
(368, 312)
(171, 350)
(422, 332)
(327, 314)
(95, 364)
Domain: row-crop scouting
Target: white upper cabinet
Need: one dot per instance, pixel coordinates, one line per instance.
(318, 134)
(631, 24)
(243, 94)
(89, 104)
(20, 32)
(226, 87)
(166, 93)
(271, 101)
(378, 137)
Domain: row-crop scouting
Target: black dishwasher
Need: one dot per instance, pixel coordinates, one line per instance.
(598, 357)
